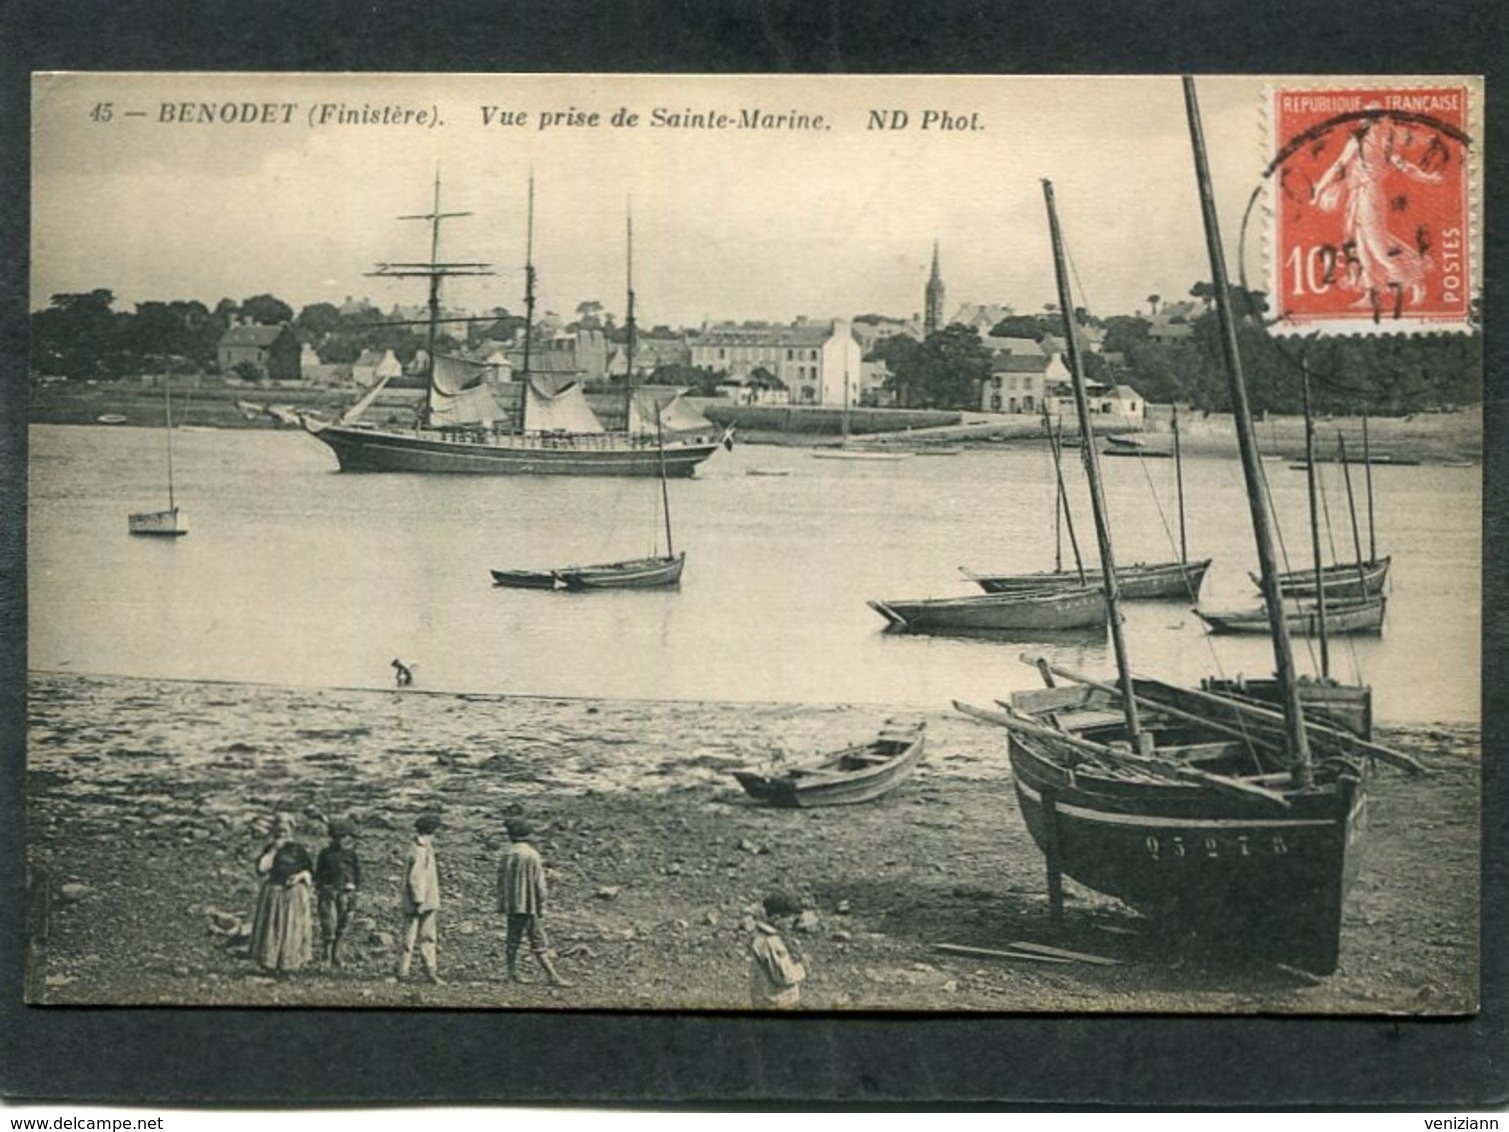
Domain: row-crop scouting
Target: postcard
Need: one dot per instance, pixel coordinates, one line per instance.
(592, 542)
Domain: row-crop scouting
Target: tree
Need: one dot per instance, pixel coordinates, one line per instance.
(317, 320)
(1152, 302)
(945, 371)
(267, 310)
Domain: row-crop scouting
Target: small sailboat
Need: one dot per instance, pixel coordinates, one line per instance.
(172, 522)
(849, 451)
(1149, 581)
(654, 571)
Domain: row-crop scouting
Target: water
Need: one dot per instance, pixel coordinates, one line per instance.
(294, 574)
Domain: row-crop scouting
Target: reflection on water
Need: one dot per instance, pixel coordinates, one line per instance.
(296, 575)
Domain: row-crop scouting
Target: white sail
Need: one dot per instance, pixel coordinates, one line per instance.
(675, 415)
(566, 411)
(364, 404)
(459, 394)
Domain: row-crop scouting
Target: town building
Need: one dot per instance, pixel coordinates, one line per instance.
(374, 366)
(981, 317)
(273, 351)
(813, 359)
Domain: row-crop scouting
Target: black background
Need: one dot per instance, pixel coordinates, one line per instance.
(200, 1058)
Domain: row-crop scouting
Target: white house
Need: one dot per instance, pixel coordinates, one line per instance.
(811, 358)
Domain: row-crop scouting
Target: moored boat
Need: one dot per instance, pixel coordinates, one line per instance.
(1350, 579)
(631, 574)
(1141, 580)
(528, 579)
(170, 522)
(854, 774)
(1341, 617)
(1049, 610)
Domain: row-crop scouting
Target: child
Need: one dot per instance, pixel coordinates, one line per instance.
(420, 902)
(775, 976)
(521, 898)
(337, 876)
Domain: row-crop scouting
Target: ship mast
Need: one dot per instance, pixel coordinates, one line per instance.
(1092, 472)
(528, 282)
(629, 325)
(1257, 500)
(434, 270)
(1320, 573)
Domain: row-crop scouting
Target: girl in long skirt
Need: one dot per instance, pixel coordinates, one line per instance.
(283, 925)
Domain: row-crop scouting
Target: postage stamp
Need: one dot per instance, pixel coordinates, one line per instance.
(1371, 224)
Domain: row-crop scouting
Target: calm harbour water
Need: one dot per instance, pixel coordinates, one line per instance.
(294, 574)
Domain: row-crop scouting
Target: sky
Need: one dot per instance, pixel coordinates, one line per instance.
(729, 223)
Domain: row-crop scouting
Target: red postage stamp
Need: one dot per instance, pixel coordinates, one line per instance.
(1372, 219)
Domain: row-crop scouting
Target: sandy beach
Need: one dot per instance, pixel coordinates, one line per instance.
(147, 801)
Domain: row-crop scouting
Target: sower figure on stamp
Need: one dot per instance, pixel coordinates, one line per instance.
(420, 901)
(521, 897)
(337, 876)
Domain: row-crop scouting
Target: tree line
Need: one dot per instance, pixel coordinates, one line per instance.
(82, 336)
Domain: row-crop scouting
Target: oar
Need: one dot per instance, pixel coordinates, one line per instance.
(1168, 770)
(1269, 716)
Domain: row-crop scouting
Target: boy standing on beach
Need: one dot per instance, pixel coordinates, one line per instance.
(337, 876)
(521, 897)
(420, 901)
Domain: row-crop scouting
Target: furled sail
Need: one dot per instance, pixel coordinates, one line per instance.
(566, 411)
(365, 403)
(459, 394)
(675, 414)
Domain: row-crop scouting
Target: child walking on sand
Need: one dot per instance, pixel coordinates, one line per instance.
(420, 902)
(337, 876)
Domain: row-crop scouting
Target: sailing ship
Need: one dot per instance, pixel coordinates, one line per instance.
(1150, 581)
(463, 429)
(1246, 836)
(657, 570)
(172, 522)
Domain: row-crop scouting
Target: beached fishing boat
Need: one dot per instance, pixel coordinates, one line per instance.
(854, 774)
(1048, 610)
(464, 429)
(172, 522)
(1141, 581)
(1235, 824)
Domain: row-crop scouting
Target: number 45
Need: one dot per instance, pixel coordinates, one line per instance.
(102, 112)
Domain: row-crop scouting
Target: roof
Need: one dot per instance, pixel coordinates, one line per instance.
(1022, 347)
(258, 334)
(987, 314)
(803, 334)
(1016, 363)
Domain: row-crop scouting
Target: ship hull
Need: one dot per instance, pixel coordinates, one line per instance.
(375, 450)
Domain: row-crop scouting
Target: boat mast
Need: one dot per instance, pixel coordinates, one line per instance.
(1346, 472)
(1179, 482)
(433, 270)
(665, 493)
(1252, 470)
(629, 324)
(1061, 510)
(167, 406)
(1092, 471)
(528, 283)
(1320, 574)
(1367, 467)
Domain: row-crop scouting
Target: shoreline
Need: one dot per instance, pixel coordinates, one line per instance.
(144, 798)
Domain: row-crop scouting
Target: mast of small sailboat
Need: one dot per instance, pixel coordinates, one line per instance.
(1367, 468)
(665, 491)
(1252, 470)
(1179, 482)
(1320, 573)
(1346, 472)
(1092, 472)
(1062, 516)
(167, 407)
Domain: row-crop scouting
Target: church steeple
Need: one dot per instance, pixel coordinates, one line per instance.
(932, 319)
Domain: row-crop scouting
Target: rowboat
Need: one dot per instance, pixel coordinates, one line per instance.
(528, 579)
(855, 774)
(1037, 610)
(1352, 616)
